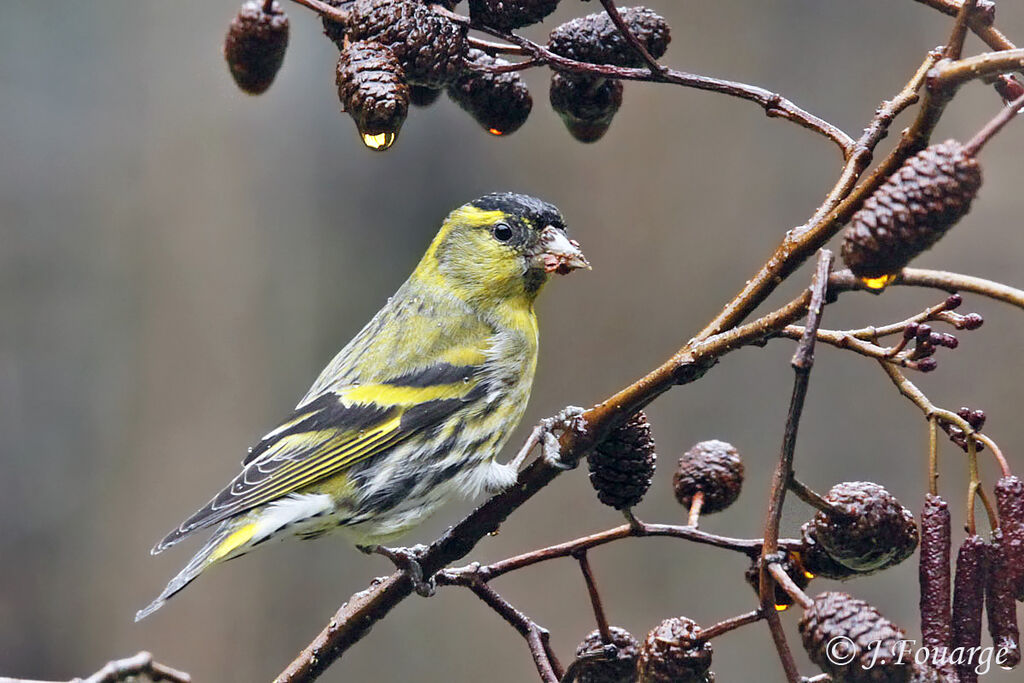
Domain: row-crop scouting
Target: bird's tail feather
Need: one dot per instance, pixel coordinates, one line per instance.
(209, 554)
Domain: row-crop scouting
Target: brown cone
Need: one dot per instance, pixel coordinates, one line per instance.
(255, 45)
(868, 531)
(619, 669)
(837, 621)
(622, 465)
(372, 90)
(586, 105)
(595, 38)
(674, 652)
(499, 102)
(509, 14)
(713, 468)
(430, 48)
(911, 210)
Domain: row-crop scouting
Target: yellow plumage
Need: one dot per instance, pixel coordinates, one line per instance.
(413, 411)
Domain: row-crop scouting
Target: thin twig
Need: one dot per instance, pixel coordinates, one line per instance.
(955, 44)
(980, 21)
(787, 584)
(536, 637)
(802, 362)
(118, 670)
(595, 597)
(696, 504)
(731, 624)
(495, 48)
(1008, 113)
(938, 279)
(631, 38)
(810, 496)
(748, 546)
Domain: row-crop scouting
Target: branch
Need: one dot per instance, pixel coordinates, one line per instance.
(627, 32)
(750, 547)
(955, 44)
(536, 636)
(731, 624)
(803, 361)
(980, 22)
(595, 597)
(118, 670)
(774, 104)
(938, 279)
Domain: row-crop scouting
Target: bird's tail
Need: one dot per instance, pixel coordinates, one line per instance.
(229, 536)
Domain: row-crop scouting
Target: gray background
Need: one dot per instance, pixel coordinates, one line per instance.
(178, 261)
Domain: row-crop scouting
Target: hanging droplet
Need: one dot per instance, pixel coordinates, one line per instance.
(878, 283)
(379, 141)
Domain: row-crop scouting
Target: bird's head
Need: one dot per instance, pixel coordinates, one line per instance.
(502, 245)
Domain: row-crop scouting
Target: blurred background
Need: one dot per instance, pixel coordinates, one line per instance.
(178, 261)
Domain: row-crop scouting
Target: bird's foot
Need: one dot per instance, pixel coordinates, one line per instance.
(408, 560)
(545, 434)
(563, 421)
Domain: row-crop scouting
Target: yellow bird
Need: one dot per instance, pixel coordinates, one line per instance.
(413, 411)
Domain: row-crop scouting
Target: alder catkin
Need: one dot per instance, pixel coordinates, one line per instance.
(968, 599)
(934, 573)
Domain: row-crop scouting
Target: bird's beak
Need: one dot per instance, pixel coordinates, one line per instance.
(559, 254)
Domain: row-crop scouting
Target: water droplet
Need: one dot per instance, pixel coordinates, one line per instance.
(878, 283)
(379, 141)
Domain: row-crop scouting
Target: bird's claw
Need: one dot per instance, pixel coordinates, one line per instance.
(550, 447)
(406, 559)
(544, 434)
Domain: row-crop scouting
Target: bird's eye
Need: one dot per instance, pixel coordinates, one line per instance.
(502, 232)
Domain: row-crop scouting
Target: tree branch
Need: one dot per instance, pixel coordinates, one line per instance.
(118, 670)
(803, 361)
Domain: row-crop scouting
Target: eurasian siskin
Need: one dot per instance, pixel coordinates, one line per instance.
(412, 412)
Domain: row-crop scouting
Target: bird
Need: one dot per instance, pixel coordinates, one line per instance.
(413, 410)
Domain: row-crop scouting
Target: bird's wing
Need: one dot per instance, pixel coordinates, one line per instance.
(336, 430)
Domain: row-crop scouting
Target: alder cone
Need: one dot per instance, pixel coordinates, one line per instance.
(586, 105)
(835, 616)
(869, 529)
(817, 561)
(674, 652)
(255, 45)
(713, 468)
(372, 89)
(595, 38)
(912, 210)
(505, 15)
(622, 465)
(621, 669)
(430, 48)
(500, 102)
